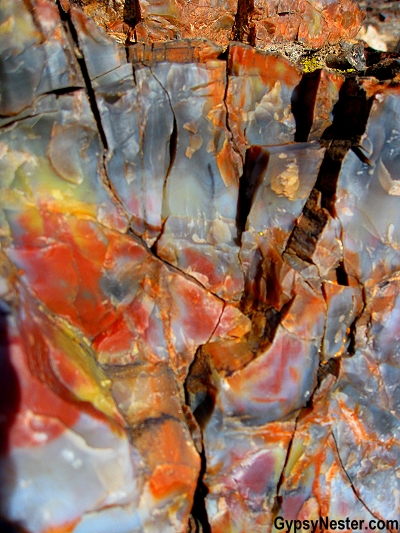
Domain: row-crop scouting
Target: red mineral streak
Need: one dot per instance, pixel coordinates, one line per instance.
(63, 362)
(246, 61)
(66, 280)
(170, 480)
(174, 468)
(117, 339)
(43, 414)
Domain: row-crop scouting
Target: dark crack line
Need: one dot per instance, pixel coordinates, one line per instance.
(199, 510)
(243, 209)
(349, 478)
(85, 74)
(189, 277)
(8, 123)
(351, 350)
(153, 247)
(152, 250)
(342, 276)
(248, 185)
(168, 265)
(173, 140)
(227, 125)
(303, 102)
(206, 407)
(340, 137)
(218, 321)
(94, 108)
(278, 499)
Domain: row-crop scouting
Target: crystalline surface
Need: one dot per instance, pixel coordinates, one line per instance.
(367, 205)
(312, 22)
(35, 58)
(259, 97)
(199, 265)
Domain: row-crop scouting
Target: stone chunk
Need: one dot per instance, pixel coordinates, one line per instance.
(53, 442)
(280, 180)
(182, 51)
(307, 492)
(138, 124)
(366, 198)
(327, 95)
(260, 89)
(101, 53)
(344, 303)
(313, 23)
(201, 191)
(187, 345)
(63, 165)
(172, 19)
(36, 57)
(243, 474)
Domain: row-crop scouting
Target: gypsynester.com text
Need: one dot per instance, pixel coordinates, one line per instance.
(324, 523)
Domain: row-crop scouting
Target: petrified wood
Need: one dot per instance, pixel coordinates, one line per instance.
(200, 257)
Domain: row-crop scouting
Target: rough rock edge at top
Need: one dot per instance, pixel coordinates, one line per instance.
(261, 23)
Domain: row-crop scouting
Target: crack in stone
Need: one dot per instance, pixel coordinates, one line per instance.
(278, 499)
(349, 478)
(338, 146)
(201, 414)
(93, 105)
(248, 185)
(87, 80)
(173, 144)
(241, 30)
(193, 279)
(303, 102)
(338, 138)
(227, 125)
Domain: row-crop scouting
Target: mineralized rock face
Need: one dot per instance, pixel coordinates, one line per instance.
(200, 257)
(257, 22)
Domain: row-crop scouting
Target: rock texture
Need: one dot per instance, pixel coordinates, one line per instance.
(257, 22)
(199, 278)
